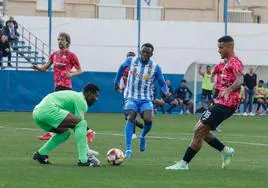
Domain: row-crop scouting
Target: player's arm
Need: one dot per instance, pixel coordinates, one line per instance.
(236, 85)
(75, 73)
(42, 68)
(120, 73)
(78, 70)
(214, 72)
(201, 72)
(161, 81)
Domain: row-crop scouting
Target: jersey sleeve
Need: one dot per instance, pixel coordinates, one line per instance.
(121, 70)
(160, 79)
(216, 69)
(237, 68)
(75, 61)
(80, 108)
(50, 59)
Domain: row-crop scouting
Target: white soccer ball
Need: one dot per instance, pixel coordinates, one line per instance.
(115, 156)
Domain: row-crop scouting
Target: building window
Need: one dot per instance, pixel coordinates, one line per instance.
(240, 16)
(57, 5)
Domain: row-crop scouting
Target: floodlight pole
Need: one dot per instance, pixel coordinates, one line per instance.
(50, 25)
(139, 25)
(225, 17)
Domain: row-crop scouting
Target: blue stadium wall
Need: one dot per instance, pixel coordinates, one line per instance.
(22, 90)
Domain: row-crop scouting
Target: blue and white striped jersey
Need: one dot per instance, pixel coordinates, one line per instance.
(141, 78)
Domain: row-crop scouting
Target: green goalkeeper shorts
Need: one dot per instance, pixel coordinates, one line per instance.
(49, 118)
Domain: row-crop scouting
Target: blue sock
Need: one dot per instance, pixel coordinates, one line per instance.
(128, 135)
(146, 128)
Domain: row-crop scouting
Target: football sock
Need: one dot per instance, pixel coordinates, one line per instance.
(128, 135)
(189, 154)
(215, 143)
(53, 142)
(80, 134)
(134, 128)
(139, 124)
(146, 128)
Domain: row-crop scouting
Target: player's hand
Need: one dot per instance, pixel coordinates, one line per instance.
(35, 67)
(117, 88)
(226, 93)
(69, 74)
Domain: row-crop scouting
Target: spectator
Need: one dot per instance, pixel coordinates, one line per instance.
(11, 19)
(183, 95)
(259, 92)
(169, 100)
(250, 81)
(266, 95)
(11, 32)
(242, 97)
(5, 50)
(2, 24)
(207, 87)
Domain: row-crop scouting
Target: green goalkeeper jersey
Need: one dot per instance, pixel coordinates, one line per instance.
(71, 101)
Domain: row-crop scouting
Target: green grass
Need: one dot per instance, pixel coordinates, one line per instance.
(245, 134)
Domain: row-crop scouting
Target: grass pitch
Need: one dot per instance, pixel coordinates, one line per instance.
(168, 140)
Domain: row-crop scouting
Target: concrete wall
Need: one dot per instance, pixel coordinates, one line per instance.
(175, 10)
(101, 45)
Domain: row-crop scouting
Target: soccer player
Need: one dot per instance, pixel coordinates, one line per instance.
(66, 65)
(60, 111)
(259, 98)
(226, 103)
(138, 93)
(206, 87)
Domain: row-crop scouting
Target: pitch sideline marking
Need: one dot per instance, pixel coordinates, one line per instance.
(154, 137)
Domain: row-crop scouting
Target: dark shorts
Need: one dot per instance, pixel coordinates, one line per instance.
(62, 88)
(216, 93)
(255, 99)
(206, 93)
(216, 114)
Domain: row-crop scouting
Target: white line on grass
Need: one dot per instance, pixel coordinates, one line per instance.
(154, 137)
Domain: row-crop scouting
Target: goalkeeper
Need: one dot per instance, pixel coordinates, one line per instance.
(63, 110)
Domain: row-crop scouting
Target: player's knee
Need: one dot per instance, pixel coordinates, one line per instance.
(131, 116)
(82, 123)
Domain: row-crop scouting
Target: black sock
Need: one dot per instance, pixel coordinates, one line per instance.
(189, 154)
(139, 124)
(215, 143)
(134, 129)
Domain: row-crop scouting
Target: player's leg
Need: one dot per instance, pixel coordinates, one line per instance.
(172, 104)
(43, 118)
(48, 135)
(147, 116)
(259, 102)
(203, 98)
(199, 133)
(130, 123)
(131, 109)
(208, 121)
(210, 99)
(137, 124)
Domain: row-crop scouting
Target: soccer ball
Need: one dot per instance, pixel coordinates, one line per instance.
(115, 156)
